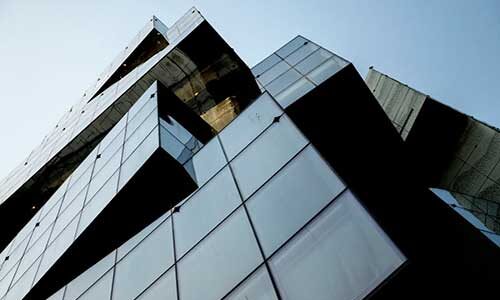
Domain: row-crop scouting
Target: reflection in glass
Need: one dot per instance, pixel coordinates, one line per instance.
(266, 155)
(76, 287)
(204, 210)
(301, 53)
(294, 92)
(291, 198)
(283, 81)
(325, 71)
(312, 61)
(257, 287)
(342, 254)
(230, 253)
(249, 124)
(208, 161)
(274, 72)
(163, 289)
(144, 264)
(101, 290)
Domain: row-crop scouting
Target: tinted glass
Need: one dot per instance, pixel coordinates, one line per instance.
(230, 253)
(342, 254)
(208, 161)
(291, 198)
(324, 71)
(271, 74)
(257, 287)
(144, 264)
(163, 289)
(101, 290)
(249, 124)
(301, 53)
(204, 210)
(283, 81)
(269, 152)
(294, 92)
(312, 61)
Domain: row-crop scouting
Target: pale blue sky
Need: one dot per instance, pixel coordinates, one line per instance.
(51, 50)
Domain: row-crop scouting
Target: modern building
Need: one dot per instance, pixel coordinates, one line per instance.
(455, 152)
(184, 174)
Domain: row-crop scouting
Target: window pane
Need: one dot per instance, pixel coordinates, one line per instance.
(265, 64)
(342, 254)
(301, 53)
(57, 296)
(274, 72)
(140, 134)
(249, 124)
(266, 155)
(136, 239)
(163, 289)
(283, 82)
(109, 152)
(256, 287)
(230, 253)
(312, 61)
(291, 198)
(208, 161)
(57, 248)
(144, 264)
(32, 254)
(139, 157)
(76, 287)
(291, 46)
(98, 202)
(172, 145)
(140, 117)
(204, 210)
(106, 172)
(101, 290)
(294, 92)
(325, 71)
(19, 289)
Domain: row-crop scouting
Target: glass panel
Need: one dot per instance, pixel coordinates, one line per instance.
(266, 155)
(274, 72)
(100, 200)
(140, 117)
(22, 287)
(65, 217)
(32, 254)
(140, 134)
(172, 145)
(109, 152)
(249, 124)
(144, 264)
(101, 290)
(208, 161)
(176, 130)
(163, 289)
(291, 46)
(57, 296)
(291, 198)
(266, 64)
(78, 186)
(136, 239)
(106, 172)
(5, 282)
(283, 81)
(76, 287)
(294, 92)
(15, 256)
(83, 167)
(112, 136)
(256, 287)
(230, 253)
(204, 210)
(342, 254)
(44, 224)
(301, 53)
(57, 248)
(325, 71)
(312, 61)
(138, 157)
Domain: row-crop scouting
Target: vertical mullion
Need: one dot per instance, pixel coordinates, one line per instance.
(273, 281)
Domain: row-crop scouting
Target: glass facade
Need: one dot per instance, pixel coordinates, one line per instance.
(269, 219)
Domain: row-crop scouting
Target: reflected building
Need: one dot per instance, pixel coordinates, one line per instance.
(184, 174)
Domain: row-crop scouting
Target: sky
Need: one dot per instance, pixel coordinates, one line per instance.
(52, 50)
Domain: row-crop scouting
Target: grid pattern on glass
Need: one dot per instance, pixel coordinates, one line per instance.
(115, 100)
(93, 185)
(295, 69)
(214, 245)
